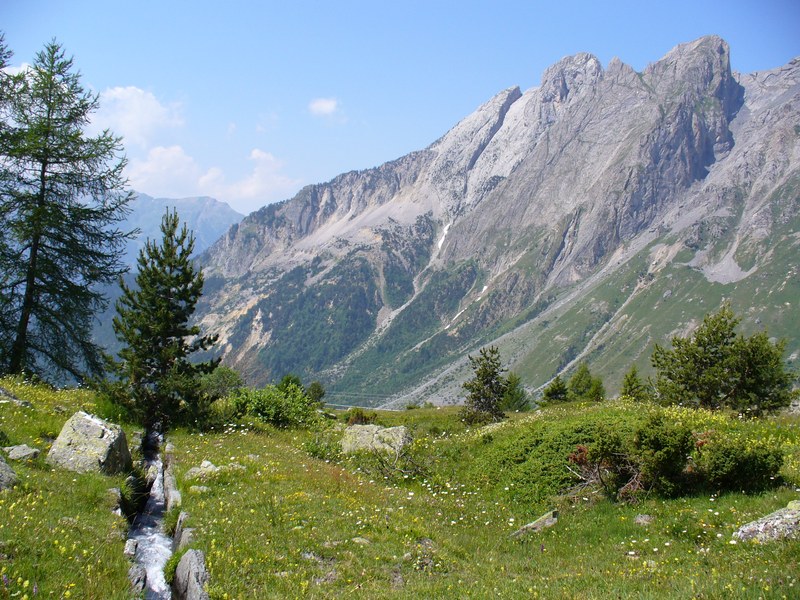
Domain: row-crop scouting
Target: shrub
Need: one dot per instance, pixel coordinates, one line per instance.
(656, 457)
(289, 407)
(662, 451)
(735, 465)
(357, 416)
(326, 444)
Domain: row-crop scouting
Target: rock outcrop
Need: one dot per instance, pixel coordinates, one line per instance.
(374, 438)
(89, 444)
(8, 478)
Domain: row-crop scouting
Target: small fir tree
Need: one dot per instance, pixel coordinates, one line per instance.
(153, 324)
(486, 389)
(515, 397)
(583, 386)
(556, 391)
(316, 392)
(632, 386)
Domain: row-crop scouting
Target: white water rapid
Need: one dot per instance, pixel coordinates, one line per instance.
(153, 547)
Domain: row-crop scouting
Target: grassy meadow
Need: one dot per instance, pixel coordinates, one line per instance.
(58, 535)
(288, 517)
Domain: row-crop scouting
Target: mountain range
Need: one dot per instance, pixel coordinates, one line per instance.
(206, 217)
(585, 219)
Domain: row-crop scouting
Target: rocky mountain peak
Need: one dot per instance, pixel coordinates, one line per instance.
(570, 75)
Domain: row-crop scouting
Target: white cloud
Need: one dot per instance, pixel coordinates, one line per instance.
(170, 172)
(14, 70)
(166, 171)
(135, 114)
(264, 184)
(323, 107)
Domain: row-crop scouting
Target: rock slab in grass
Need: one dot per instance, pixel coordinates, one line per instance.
(375, 438)
(89, 444)
(8, 478)
(190, 577)
(780, 525)
(22, 452)
(546, 520)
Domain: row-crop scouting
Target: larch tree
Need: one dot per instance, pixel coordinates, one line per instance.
(156, 381)
(63, 198)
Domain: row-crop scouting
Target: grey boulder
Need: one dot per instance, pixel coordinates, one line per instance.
(89, 444)
(374, 438)
(8, 478)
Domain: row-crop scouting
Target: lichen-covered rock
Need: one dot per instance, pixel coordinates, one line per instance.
(137, 575)
(89, 444)
(206, 470)
(374, 438)
(782, 524)
(191, 577)
(8, 478)
(22, 452)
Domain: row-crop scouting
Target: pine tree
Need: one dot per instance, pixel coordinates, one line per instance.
(556, 391)
(485, 389)
(153, 324)
(717, 368)
(583, 386)
(632, 386)
(515, 397)
(62, 197)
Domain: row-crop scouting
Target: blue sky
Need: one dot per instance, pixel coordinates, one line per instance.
(249, 101)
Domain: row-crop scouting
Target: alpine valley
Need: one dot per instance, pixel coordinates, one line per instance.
(582, 220)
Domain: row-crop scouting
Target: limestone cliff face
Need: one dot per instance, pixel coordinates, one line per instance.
(407, 266)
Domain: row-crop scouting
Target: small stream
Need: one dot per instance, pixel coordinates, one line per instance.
(154, 547)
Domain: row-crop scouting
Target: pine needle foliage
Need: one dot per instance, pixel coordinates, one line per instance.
(718, 368)
(159, 384)
(486, 389)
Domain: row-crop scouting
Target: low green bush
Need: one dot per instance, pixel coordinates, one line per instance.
(661, 449)
(282, 407)
(358, 416)
(325, 444)
(736, 465)
(669, 458)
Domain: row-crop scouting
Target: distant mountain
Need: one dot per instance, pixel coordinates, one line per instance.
(206, 217)
(585, 219)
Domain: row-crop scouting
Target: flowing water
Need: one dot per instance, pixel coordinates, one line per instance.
(154, 547)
